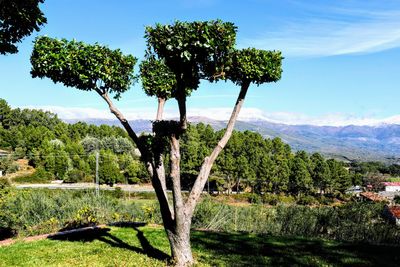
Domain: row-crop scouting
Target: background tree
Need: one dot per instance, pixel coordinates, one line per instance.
(320, 172)
(18, 19)
(109, 172)
(5, 111)
(192, 51)
(300, 178)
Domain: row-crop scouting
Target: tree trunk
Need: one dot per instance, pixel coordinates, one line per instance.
(160, 109)
(177, 221)
(179, 233)
(179, 240)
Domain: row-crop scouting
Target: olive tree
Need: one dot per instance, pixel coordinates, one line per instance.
(178, 57)
(18, 19)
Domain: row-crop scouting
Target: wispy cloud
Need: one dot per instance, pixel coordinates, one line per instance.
(223, 114)
(336, 29)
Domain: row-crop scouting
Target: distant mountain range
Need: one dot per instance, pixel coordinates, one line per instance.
(381, 142)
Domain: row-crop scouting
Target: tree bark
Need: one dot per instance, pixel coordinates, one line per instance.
(176, 178)
(179, 240)
(181, 98)
(160, 108)
(179, 234)
(160, 169)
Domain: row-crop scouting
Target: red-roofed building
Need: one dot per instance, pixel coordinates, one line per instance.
(392, 186)
(371, 196)
(393, 213)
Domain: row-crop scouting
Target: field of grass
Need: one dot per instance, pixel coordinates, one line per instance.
(148, 246)
(394, 179)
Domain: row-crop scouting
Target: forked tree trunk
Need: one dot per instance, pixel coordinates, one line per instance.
(177, 220)
(179, 232)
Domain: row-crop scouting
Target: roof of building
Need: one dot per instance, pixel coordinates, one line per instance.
(395, 210)
(391, 183)
(372, 196)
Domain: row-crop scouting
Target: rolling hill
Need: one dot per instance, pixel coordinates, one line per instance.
(381, 142)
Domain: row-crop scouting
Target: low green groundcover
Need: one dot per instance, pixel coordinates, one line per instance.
(148, 246)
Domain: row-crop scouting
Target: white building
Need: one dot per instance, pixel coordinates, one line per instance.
(392, 186)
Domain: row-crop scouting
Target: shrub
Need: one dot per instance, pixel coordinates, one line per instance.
(28, 212)
(84, 217)
(354, 222)
(74, 176)
(39, 176)
(306, 200)
(396, 199)
(4, 184)
(118, 193)
(254, 198)
(269, 198)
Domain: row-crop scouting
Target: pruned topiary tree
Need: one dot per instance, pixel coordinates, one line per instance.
(178, 57)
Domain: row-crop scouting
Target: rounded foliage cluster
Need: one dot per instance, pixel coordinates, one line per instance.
(193, 50)
(157, 78)
(255, 66)
(86, 67)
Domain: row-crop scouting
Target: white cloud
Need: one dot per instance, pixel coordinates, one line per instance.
(333, 31)
(223, 114)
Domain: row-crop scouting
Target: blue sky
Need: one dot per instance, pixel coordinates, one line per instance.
(342, 58)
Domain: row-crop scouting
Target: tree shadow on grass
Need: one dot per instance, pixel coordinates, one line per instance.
(104, 235)
(237, 249)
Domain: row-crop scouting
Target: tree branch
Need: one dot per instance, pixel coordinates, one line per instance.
(160, 169)
(181, 98)
(176, 178)
(209, 161)
(158, 174)
(160, 108)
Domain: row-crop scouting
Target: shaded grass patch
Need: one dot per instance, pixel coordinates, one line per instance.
(148, 246)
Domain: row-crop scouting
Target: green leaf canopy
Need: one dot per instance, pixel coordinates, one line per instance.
(255, 66)
(193, 50)
(18, 18)
(157, 78)
(86, 67)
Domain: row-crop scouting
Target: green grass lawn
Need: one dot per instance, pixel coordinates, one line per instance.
(148, 246)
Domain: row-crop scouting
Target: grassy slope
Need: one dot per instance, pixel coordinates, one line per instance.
(148, 246)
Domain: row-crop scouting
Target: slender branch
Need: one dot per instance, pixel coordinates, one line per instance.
(176, 179)
(160, 169)
(155, 175)
(217, 75)
(123, 120)
(160, 109)
(181, 98)
(209, 161)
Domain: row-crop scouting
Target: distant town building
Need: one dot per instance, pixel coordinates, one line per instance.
(392, 186)
(3, 153)
(393, 214)
(371, 196)
(354, 190)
